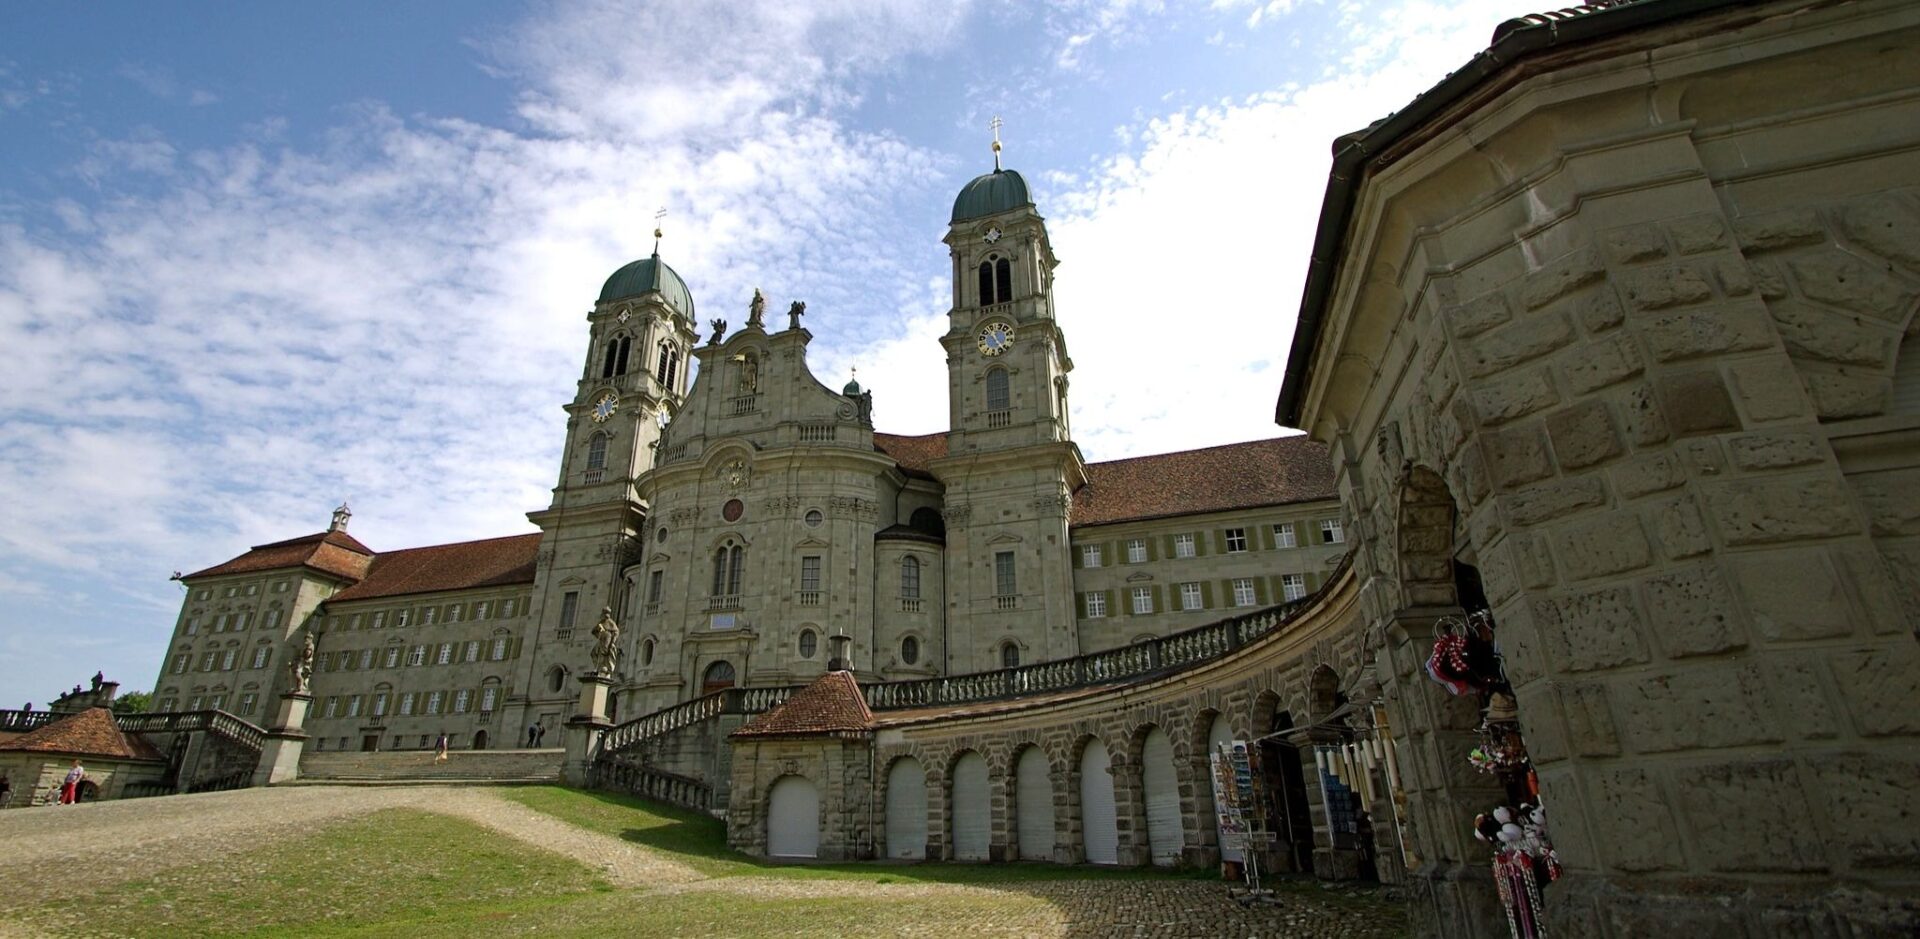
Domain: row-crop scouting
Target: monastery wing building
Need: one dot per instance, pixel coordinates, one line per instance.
(739, 519)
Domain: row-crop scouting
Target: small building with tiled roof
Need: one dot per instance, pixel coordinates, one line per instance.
(36, 763)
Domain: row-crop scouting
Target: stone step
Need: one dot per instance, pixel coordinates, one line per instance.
(420, 766)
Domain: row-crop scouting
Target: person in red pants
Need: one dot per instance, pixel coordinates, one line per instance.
(70, 787)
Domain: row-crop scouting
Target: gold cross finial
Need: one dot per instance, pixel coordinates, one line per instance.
(995, 124)
(657, 216)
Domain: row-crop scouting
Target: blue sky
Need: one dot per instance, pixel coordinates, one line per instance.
(258, 258)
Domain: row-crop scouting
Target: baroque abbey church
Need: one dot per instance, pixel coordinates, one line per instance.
(742, 523)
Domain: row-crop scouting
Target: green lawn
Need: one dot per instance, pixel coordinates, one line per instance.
(397, 868)
(700, 842)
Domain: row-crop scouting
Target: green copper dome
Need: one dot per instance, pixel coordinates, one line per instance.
(990, 194)
(647, 275)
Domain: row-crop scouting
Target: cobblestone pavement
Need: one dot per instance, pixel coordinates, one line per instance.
(41, 848)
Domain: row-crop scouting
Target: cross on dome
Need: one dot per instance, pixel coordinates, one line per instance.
(995, 124)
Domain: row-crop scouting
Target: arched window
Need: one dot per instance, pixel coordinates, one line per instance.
(646, 653)
(597, 452)
(809, 643)
(986, 283)
(719, 677)
(1009, 655)
(625, 345)
(909, 650)
(998, 397)
(669, 364)
(1003, 280)
(728, 559)
(910, 578)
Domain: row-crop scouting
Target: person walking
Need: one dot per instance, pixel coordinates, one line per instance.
(533, 734)
(440, 749)
(539, 734)
(6, 790)
(70, 787)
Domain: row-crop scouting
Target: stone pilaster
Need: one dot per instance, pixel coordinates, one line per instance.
(280, 756)
(586, 726)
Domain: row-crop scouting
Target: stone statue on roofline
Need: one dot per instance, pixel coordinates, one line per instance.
(719, 330)
(794, 312)
(756, 308)
(606, 643)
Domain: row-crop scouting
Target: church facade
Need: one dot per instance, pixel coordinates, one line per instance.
(738, 520)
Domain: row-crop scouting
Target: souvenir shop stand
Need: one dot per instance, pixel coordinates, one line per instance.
(1466, 661)
(1243, 824)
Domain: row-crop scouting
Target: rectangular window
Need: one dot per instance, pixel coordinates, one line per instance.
(180, 663)
(1243, 591)
(480, 610)
(509, 608)
(193, 625)
(462, 699)
(1090, 555)
(194, 705)
(280, 587)
(1183, 546)
(377, 620)
(393, 656)
(417, 655)
(380, 705)
(248, 702)
(1136, 551)
(489, 696)
(353, 622)
(428, 615)
(400, 617)
(909, 578)
(353, 706)
(446, 654)
(1003, 580)
(246, 620)
(656, 581)
(454, 612)
(1293, 586)
(810, 572)
(569, 606)
(406, 704)
(272, 618)
(1283, 536)
(472, 651)
(253, 590)
(1096, 605)
(260, 655)
(434, 699)
(1190, 597)
(366, 658)
(1330, 532)
(333, 706)
(207, 661)
(1143, 599)
(499, 649)
(216, 702)
(1236, 540)
(230, 591)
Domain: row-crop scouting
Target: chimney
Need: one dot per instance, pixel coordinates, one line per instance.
(840, 653)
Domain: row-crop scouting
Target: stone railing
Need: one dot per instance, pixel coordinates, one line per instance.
(19, 722)
(218, 723)
(622, 774)
(1165, 654)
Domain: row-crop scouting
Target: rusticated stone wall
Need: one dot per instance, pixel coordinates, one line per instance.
(1623, 338)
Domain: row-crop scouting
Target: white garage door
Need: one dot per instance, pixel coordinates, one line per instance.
(1163, 798)
(1033, 805)
(907, 810)
(793, 818)
(971, 816)
(1099, 830)
(1221, 733)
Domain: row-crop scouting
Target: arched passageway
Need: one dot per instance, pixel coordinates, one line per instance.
(906, 810)
(970, 809)
(1099, 825)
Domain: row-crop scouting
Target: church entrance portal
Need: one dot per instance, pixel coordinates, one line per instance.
(719, 677)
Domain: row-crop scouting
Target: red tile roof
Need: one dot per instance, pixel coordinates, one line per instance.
(831, 705)
(912, 453)
(1247, 475)
(329, 552)
(90, 733)
(492, 562)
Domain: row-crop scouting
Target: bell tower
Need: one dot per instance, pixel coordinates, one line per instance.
(1011, 466)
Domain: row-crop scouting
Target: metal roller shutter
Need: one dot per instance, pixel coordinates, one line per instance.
(1033, 805)
(793, 818)
(972, 818)
(1162, 787)
(1099, 828)
(907, 810)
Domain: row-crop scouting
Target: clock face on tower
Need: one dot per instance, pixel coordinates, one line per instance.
(995, 338)
(604, 408)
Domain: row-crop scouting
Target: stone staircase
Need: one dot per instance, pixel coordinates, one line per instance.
(471, 767)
